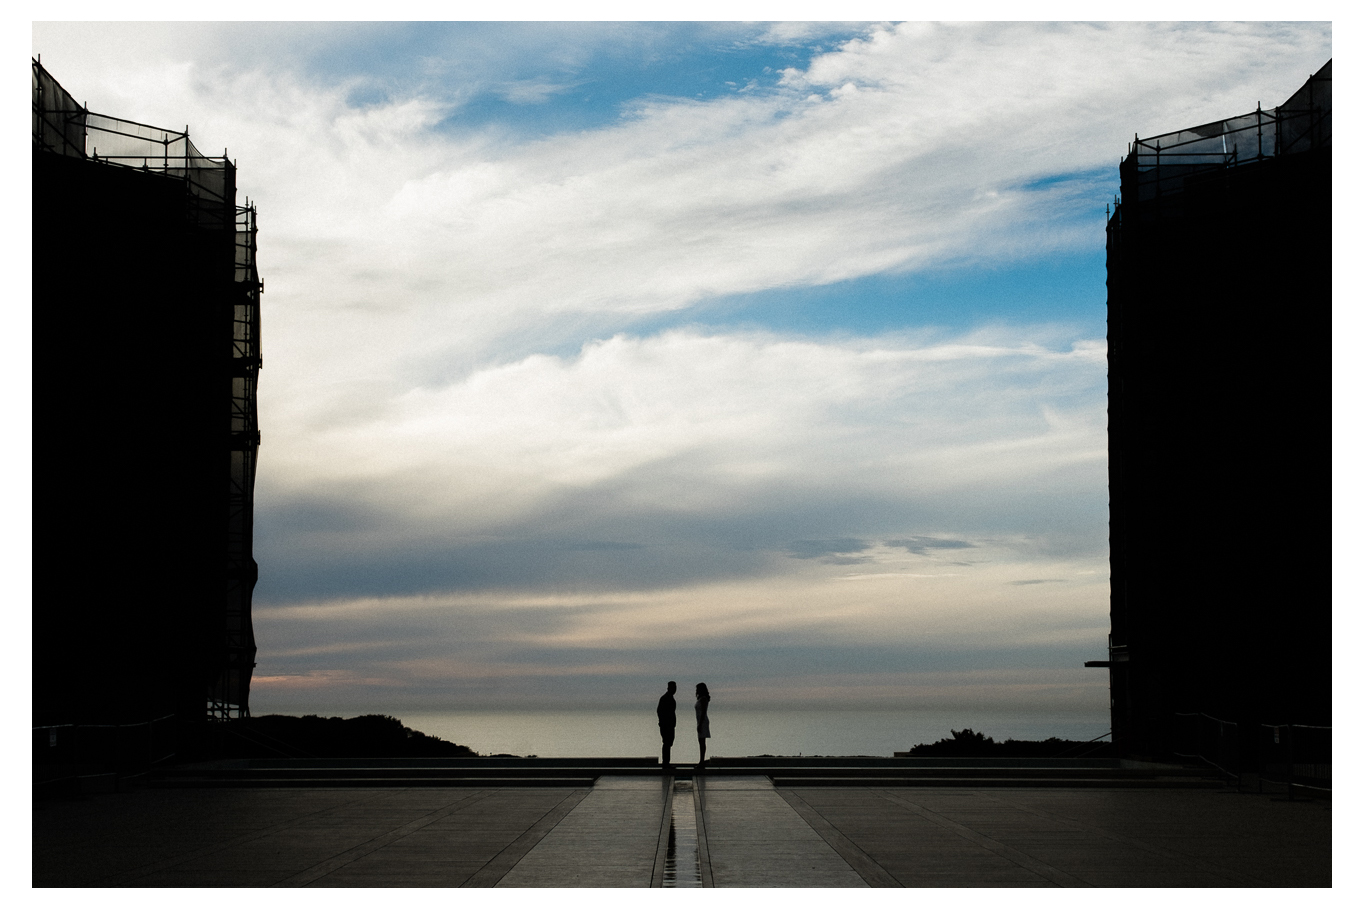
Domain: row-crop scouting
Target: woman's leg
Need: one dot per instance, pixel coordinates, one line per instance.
(701, 743)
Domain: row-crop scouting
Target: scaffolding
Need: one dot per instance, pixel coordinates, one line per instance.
(229, 691)
(63, 127)
(1159, 166)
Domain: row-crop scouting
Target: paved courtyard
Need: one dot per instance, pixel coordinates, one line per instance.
(717, 831)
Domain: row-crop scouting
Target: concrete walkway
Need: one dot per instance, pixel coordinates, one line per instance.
(755, 839)
(716, 831)
(609, 840)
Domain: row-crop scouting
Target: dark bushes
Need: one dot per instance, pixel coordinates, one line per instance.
(311, 736)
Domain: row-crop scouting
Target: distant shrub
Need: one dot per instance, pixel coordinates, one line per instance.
(311, 736)
(967, 743)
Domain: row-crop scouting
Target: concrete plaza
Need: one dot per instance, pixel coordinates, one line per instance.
(714, 831)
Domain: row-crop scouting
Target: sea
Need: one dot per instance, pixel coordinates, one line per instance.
(735, 732)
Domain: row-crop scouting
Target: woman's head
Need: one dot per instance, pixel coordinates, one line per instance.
(702, 691)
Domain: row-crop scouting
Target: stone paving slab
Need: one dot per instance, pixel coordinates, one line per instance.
(609, 840)
(755, 839)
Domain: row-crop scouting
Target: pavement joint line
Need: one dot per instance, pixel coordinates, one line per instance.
(867, 868)
(120, 878)
(703, 848)
(328, 866)
(1036, 866)
(1234, 877)
(507, 858)
(656, 877)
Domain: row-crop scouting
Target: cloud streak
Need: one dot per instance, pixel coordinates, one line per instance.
(712, 447)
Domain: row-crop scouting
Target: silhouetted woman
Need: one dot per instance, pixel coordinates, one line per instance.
(703, 723)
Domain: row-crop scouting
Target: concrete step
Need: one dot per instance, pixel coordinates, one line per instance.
(982, 771)
(784, 771)
(312, 772)
(456, 763)
(868, 761)
(358, 781)
(829, 780)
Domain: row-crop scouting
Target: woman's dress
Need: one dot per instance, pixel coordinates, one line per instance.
(703, 722)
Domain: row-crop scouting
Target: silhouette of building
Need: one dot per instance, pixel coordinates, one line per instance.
(146, 328)
(1220, 291)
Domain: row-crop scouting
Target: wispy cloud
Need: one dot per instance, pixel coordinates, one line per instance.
(702, 451)
(814, 549)
(532, 91)
(922, 545)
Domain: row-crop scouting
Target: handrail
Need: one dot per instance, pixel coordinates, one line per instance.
(1264, 760)
(118, 756)
(1086, 743)
(137, 723)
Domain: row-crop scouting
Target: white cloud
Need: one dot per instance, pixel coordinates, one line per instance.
(730, 415)
(920, 149)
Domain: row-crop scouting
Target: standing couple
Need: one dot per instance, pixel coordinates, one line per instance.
(668, 720)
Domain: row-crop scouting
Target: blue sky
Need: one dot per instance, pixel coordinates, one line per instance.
(605, 353)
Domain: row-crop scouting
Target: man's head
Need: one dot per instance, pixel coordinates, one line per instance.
(672, 687)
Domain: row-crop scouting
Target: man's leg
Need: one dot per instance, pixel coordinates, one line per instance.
(667, 734)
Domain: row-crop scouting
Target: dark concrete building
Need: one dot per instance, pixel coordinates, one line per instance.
(146, 334)
(1220, 296)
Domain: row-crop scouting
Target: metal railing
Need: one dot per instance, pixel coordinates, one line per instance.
(1211, 740)
(1159, 165)
(67, 753)
(1098, 741)
(1297, 755)
(1294, 755)
(62, 126)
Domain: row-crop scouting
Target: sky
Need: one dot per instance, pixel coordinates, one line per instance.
(601, 354)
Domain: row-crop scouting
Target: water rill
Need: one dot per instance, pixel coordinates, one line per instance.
(681, 869)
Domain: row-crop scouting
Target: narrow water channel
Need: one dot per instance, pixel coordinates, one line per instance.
(681, 869)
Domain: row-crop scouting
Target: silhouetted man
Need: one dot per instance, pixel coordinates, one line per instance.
(668, 720)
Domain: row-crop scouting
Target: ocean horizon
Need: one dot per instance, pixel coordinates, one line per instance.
(735, 732)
